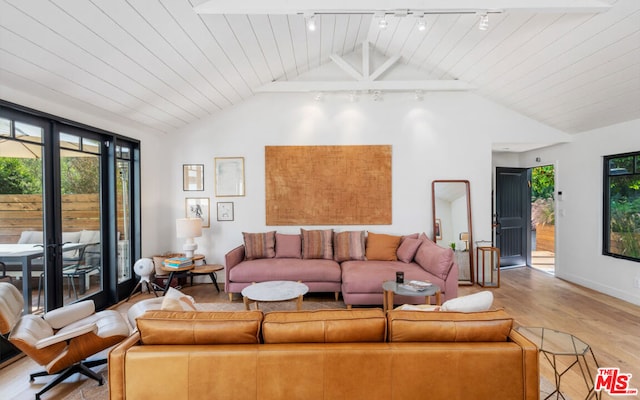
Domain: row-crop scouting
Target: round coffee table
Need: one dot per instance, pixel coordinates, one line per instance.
(273, 291)
(390, 288)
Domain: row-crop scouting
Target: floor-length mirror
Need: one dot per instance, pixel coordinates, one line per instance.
(451, 203)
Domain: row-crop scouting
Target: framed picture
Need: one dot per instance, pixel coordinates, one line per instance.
(225, 211)
(192, 177)
(438, 229)
(229, 176)
(198, 207)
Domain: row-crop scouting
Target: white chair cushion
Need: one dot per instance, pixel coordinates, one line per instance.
(64, 316)
(480, 301)
(31, 237)
(11, 304)
(175, 300)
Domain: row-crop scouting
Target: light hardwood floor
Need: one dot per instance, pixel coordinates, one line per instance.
(533, 298)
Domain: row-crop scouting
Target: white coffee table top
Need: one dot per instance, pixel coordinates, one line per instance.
(275, 291)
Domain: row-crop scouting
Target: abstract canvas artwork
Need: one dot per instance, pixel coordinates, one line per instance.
(328, 185)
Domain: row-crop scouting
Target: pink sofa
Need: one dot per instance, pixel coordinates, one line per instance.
(319, 275)
(348, 271)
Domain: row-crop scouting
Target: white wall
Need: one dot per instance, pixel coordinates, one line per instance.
(445, 136)
(579, 214)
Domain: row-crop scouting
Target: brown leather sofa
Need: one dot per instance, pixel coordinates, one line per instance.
(327, 354)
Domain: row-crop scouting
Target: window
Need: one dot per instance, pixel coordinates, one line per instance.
(622, 206)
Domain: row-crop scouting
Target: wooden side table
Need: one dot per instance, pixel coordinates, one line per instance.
(172, 272)
(207, 269)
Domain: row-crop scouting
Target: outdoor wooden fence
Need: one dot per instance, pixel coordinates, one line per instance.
(23, 212)
(545, 237)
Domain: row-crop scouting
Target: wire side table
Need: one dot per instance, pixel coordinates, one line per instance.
(554, 344)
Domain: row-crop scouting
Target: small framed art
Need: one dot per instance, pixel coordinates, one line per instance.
(198, 207)
(229, 176)
(225, 211)
(192, 177)
(438, 229)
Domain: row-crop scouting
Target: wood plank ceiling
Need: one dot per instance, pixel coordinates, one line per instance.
(158, 64)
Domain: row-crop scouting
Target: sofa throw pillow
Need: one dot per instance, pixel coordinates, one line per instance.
(433, 258)
(288, 246)
(407, 249)
(317, 244)
(382, 247)
(412, 236)
(259, 245)
(475, 302)
(348, 246)
(175, 300)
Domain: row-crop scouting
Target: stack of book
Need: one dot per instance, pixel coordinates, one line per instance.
(178, 262)
(416, 286)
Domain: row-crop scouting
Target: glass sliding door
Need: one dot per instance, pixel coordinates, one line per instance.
(123, 202)
(81, 214)
(21, 205)
(70, 193)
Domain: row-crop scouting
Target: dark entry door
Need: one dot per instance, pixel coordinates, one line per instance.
(513, 215)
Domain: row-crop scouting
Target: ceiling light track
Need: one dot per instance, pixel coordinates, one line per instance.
(407, 7)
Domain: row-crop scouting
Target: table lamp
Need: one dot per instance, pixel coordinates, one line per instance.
(189, 228)
(464, 236)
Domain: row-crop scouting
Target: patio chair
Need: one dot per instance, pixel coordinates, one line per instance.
(78, 266)
(62, 339)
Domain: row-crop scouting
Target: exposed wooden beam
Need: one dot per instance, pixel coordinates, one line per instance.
(349, 86)
(370, 6)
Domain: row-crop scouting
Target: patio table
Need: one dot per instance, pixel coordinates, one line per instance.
(24, 254)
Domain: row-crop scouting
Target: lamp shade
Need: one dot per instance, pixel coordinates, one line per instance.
(188, 227)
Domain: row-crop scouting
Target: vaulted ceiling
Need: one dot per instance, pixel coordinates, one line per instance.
(159, 64)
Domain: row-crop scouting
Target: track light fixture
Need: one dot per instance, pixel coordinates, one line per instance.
(483, 25)
(422, 25)
(382, 19)
(311, 21)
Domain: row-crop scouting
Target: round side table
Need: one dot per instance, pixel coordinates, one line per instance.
(390, 288)
(172, 271)
(207, 269)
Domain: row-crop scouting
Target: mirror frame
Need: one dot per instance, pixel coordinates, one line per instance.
(471, 281)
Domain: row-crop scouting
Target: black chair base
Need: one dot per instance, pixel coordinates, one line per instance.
(80, 368)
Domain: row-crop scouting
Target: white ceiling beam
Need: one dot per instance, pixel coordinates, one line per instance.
(274, 7)
(365, 58)
(349, 86)
(384, 67)
(346, 67)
